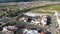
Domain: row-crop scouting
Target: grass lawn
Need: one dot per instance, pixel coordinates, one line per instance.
(41, 12)
(55, 7)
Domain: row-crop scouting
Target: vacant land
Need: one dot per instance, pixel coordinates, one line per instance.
(54, 7)
(41, 12)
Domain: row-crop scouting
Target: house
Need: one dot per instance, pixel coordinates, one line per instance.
(37, 19)
(29, 31)
(9, 29)
(26, 31)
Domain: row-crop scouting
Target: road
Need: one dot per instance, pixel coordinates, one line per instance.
(53, 28)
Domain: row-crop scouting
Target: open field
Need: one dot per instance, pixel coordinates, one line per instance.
(54, 7)
(45, 12)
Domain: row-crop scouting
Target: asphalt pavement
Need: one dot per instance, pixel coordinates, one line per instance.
(52, 27)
